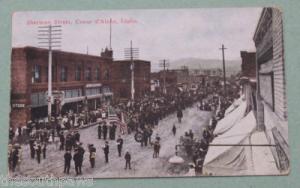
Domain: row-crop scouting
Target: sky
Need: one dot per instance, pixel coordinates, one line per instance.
(159, 34)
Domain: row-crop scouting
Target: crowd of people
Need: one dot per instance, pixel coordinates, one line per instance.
(197, 149)
(138, 117)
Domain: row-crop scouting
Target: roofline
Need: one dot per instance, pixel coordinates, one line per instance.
(135, 60)
(57, 51)
(263, 12)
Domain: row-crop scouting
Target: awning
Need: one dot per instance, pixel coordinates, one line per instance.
(234, 105)
(266, 68)
(231, 160)
(231, 119)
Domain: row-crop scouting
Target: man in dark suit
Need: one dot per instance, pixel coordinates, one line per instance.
(68, 158)
(106, 151)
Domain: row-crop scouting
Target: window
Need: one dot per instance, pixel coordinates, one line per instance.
(64, 74)
(92, 91)
(106, 74)
(38, 99)
(105, 89)
(68, 93)
(88, 74)
(71, 93)
(36, 74)
(97, 73)
(78, 73)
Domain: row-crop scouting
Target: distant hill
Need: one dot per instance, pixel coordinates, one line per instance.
(232, 66)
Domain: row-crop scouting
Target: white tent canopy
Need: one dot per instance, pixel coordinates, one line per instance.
(231, 119)
(234, 105)
(229, 160)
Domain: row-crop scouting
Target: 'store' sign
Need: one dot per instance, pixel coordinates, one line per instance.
(18, 105)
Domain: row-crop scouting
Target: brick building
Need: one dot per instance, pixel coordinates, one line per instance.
(77, 77)
(173, 79)
(271, 85)
(121, 78)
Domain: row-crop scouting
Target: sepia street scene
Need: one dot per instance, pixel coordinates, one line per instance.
(148, 93)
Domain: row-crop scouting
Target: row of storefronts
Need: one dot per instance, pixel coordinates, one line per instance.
(78, 81)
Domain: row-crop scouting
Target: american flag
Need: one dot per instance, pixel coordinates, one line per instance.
(121, 123)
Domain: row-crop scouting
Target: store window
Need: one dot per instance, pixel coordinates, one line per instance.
(36, 74)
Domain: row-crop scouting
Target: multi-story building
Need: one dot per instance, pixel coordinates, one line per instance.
(271, 84)
(121, 78)
(77, 79)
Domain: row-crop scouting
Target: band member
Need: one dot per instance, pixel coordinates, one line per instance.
(67, 157)
(119, 145)
(92, 155)
(106, 151)
(77, 161)
(99, 131)
(38, 153)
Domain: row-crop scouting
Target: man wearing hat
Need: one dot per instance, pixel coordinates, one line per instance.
(99, 131)
(38, 153)
(32, 146)
(206, 134)
(92, 155)
(81, 153)
(62, 140)
(106, 151)
(114, 128)
(11, 133)
(15, 158)
(68, 158)
(156, 149)
(10, 156)
(76, 158)
(104, 131)
(44, 149)
(77, 136)
(127, 159)
(119, 145)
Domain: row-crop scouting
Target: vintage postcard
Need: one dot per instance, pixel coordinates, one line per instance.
(148, 93)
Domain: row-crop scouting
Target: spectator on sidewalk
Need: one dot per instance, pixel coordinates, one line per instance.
(67, 157)
(128, 160)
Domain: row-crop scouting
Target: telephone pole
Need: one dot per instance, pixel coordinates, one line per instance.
(132, 53)
(224, 71)
(164, 63)
(49, 37)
